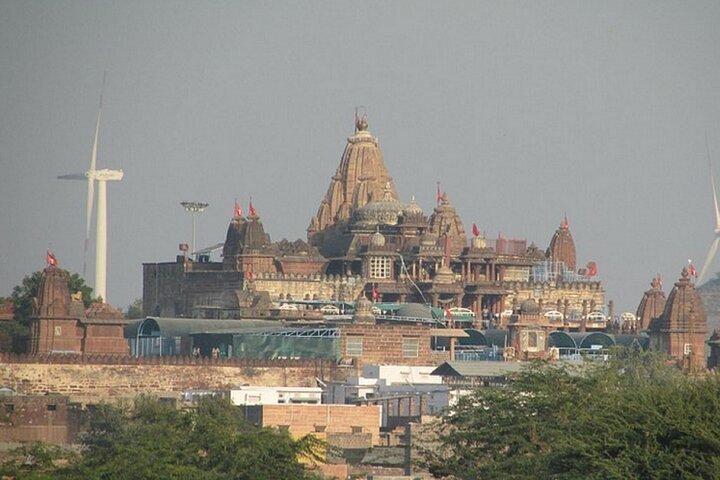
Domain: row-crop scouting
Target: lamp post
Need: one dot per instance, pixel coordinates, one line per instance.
(192, 208)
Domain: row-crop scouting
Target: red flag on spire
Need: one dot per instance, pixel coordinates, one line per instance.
(659, 280)
(475, 230)
(438, 195)
(692, 270)
(51, 259)
(238, 210)
(253, 212)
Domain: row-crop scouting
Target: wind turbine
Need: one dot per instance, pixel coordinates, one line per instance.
(714, 246)
(101, 177)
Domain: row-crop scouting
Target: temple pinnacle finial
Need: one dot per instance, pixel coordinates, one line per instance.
(565, 223)
(361, 124)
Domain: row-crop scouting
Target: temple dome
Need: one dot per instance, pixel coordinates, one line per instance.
(412, 209)
(385, 211)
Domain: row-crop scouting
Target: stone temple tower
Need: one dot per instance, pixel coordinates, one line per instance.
(651, 306)
(562, 246)
(361, 177)
(680, 331)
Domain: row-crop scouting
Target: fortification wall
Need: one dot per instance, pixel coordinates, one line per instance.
(105, 378)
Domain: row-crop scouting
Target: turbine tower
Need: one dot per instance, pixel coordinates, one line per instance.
(101, 177)
(714, 246)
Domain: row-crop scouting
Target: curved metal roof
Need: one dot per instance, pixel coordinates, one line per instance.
(180, 327)
(561, 340)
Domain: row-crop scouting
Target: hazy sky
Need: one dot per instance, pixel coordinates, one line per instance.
(523, 110)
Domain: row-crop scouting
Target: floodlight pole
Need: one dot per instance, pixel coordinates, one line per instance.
(192, 208)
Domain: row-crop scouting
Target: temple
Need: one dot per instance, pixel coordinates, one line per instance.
(680, 331)
(365, 241)
(61, 324)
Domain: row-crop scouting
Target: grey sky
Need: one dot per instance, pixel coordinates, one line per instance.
(523, 110)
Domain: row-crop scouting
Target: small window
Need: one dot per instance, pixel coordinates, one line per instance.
(410, 347)
(51, 407)
(532, 340)
(320, 428)
(354, 347)
(284, 428)
(58, 331)
(356, 429)
(687, 350)
(9, 407)
(380, 267)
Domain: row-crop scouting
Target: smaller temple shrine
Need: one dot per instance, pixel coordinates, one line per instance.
(680, 331)
(60, 323)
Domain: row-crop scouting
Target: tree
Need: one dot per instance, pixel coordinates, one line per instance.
(631, 417)
(22, 299)
(135, 309)
(151, 440)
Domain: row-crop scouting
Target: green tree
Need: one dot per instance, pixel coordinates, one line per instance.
(151, 440)
(22, 299)
(135, 309)
(631, 417)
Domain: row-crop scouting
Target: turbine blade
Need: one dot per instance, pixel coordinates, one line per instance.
(72, 176)
(709, 259)
(712, 179)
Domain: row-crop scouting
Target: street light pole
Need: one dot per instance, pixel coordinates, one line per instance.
(192, 208)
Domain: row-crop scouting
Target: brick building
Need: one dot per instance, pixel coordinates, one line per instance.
(39, 418)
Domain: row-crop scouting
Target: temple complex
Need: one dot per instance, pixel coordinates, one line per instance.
(365, 240)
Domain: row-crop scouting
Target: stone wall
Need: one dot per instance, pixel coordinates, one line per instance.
(90, 379)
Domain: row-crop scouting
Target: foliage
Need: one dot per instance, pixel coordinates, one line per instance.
(22, 299)
(631, 417)
(35, 461)
(135, 309)
(151, 440)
